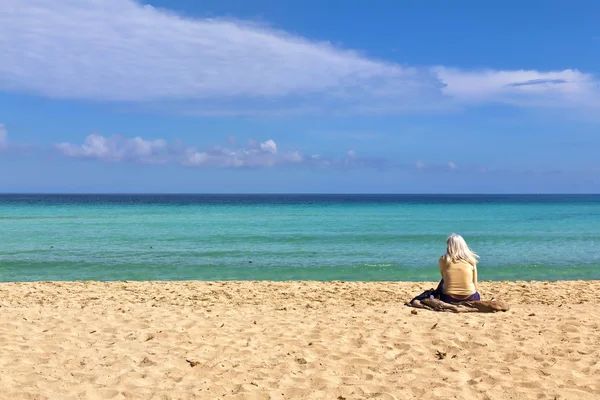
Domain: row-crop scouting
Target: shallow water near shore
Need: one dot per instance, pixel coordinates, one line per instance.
(294, 237)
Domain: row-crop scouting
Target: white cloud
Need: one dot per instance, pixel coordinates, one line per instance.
(121, 149)
(125, 52)
(567, 88)
(120, 50)
(3, 137)
(269, 147)
(117, 148)
(255, 155)
(265, 154)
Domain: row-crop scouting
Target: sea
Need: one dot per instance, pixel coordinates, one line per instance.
(294, 237)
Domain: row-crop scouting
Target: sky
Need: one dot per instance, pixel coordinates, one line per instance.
(266, 96)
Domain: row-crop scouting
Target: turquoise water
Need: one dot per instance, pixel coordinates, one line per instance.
(67, 237)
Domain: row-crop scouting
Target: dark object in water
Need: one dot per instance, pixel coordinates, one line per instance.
(249, 262)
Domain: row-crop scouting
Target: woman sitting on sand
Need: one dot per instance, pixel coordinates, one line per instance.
(459, 272)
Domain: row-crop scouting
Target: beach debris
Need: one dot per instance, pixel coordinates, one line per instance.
(146, 362)
(92, 332)
(254, 322)
(301, 361)
(440, 355)
(341, 398)
(222, 325)
(532, 315)
(434, 326)
(414, 312)
(192, 363)
(310, 343)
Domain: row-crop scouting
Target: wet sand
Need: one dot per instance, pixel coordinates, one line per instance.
(294, 340)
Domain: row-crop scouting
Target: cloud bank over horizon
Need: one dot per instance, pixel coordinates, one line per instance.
(126, 52)
(251, 155)
(254, 154)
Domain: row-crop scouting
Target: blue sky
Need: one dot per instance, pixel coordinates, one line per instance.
(299, 96)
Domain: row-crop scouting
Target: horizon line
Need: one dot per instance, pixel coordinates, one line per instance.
(287, 194)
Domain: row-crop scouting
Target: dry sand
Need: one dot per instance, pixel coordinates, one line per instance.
(265, 340)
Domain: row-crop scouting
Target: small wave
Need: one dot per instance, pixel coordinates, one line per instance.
(377, 265)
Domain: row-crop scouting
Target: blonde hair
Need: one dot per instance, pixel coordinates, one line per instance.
(457, 250)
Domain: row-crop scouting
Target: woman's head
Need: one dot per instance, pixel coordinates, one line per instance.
(457, 250)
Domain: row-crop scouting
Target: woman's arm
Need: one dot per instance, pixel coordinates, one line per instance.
(475, 277)
(441, 263)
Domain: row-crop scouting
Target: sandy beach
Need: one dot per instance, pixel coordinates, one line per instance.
(292, 340)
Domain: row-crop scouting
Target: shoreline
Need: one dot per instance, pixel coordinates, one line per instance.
(295, 339)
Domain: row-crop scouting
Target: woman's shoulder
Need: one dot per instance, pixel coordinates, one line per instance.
(471, 266)
(445, 262)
